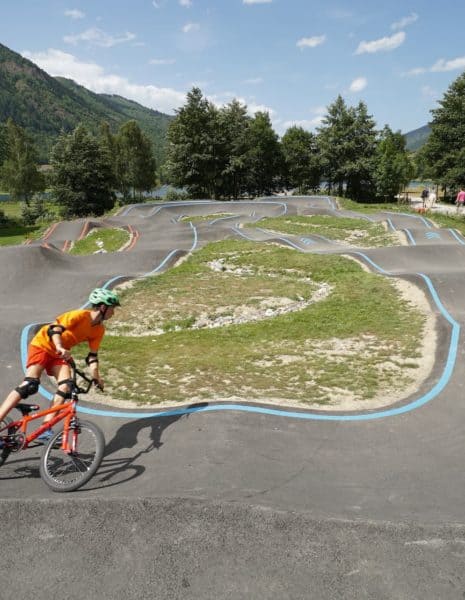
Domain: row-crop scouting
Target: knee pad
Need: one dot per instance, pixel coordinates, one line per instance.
(65, 394)
(29, 387)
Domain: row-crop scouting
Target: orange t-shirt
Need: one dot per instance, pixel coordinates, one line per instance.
(78, 328)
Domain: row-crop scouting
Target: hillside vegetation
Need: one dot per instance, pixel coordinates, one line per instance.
(46, 105)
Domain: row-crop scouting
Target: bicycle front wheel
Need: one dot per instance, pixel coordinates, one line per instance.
(68, 471)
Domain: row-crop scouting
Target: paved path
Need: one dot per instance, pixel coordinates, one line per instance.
(395, 467)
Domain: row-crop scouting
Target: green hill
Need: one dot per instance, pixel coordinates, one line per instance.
(417, 138)
(46, 105)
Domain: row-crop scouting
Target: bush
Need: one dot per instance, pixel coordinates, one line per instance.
(35, 211)
(173, 195)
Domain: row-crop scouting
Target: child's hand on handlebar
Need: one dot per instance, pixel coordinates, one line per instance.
(64, 353)
(98, 382)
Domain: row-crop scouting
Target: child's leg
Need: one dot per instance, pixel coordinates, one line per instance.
(29, 386)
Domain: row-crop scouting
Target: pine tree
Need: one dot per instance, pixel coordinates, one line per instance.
(444, 152)
(234, 123)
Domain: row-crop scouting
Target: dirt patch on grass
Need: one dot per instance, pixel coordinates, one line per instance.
(411, 371)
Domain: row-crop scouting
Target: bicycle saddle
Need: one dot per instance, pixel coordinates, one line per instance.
(25, 409)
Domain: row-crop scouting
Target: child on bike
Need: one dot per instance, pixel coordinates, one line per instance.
(49, 350)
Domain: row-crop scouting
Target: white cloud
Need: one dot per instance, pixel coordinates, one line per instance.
(383, 44)
(311, 42)
(186, 3)
(94, 78)
(98, 38)
(440, 66)
(257, 1)
(162, 61)
(405, 21)
(188, 27)
(74, 14)
(448, 65)
(358, 84)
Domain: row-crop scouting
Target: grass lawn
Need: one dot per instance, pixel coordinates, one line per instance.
(350, 333)
(101, 240)
(358, 232)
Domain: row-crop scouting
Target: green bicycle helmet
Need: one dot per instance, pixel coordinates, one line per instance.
(104, 296)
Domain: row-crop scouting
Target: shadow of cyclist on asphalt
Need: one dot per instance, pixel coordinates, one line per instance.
(126, 437)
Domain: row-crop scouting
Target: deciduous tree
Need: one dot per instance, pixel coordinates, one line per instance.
(81, 175)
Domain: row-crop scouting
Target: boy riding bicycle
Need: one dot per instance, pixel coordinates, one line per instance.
(49, 350)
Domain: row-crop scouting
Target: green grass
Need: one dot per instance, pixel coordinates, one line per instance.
(359, 341)
(107, 240)
(354, 231)
(206, 218)
(14, 232)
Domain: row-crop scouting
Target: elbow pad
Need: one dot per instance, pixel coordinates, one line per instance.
(55, 328)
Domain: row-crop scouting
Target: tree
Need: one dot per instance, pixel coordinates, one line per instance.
(334, 138)
(264, 157)
(393, 168)
(302, 159)
(81, 175)
(444, 152)
(19, 173)
(135, 163)
(195, 152)
(3, 143)
(361, 152)
(108, 146)
(234, 124)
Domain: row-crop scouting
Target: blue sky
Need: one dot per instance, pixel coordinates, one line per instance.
(289, 57)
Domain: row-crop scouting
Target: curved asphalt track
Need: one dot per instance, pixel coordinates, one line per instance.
(244, 501)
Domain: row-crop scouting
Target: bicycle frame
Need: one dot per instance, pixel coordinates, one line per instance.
(65, 411)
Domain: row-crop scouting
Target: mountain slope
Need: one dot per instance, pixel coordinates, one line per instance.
(416, 138)
(46, 105)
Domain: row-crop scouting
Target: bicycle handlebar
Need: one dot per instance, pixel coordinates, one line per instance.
(90, 381)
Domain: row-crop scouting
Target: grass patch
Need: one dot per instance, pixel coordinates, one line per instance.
(356, 342)
(205, 218)
(101, 240)
(13, 231)
(342, 229)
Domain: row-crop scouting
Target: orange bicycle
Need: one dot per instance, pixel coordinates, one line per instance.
(71, 456)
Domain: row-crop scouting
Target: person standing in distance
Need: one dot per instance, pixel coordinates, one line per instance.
(49, 350)
(460, 199)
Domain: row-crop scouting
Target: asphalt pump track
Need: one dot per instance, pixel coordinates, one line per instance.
(245, 500)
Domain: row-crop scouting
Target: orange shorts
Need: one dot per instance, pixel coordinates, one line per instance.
(38, 356)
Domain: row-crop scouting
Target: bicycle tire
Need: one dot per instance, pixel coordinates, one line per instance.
(63, 472)
(5, 452)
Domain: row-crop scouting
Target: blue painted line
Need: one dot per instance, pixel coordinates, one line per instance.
(424, 221)
(410, 237)
(391, 225)
(430, 395)
(432, 235)
(458, 236)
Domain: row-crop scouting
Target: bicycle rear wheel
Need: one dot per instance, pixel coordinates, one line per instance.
(66, 472)
(4, 452)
